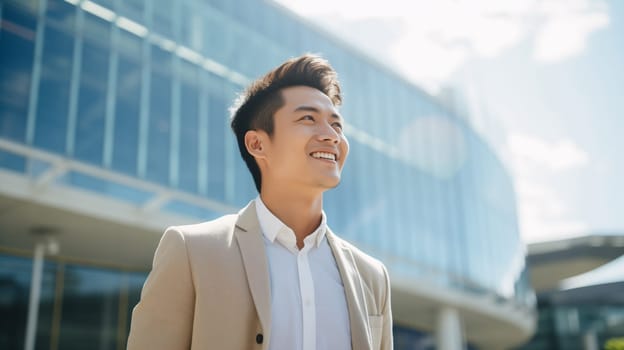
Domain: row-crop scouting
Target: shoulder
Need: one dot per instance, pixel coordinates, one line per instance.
(218, 230)
(366, 264)
(217, 226)
(201, 242)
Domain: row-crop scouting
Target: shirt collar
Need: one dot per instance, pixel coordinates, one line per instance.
(272, 227)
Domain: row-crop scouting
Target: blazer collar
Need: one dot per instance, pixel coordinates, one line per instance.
(354, 293)
(249, 237)
(251, 244)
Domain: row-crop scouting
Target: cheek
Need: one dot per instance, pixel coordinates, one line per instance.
(345, 149)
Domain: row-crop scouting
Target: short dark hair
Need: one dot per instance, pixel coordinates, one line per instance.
(255, 107)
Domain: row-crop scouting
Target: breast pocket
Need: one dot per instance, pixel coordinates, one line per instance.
(376, 325)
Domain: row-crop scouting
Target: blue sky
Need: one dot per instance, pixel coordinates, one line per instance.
(540, 79)
(562, 123)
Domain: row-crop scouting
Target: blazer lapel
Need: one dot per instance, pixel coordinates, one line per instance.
(249, 237)
(358, 313)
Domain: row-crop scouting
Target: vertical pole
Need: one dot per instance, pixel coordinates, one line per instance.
(58, 306)
(590, 341)
(35, 292)
(448, 332)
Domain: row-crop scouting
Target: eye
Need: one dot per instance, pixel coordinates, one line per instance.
(307, 117)
(337, 125)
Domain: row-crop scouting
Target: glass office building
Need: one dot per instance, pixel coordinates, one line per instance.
(587, 317)
(114, 124)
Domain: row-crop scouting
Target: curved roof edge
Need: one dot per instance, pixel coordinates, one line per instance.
(603, 293)
(553, 261)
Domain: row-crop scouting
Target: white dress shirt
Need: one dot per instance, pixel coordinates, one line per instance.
(308, 304)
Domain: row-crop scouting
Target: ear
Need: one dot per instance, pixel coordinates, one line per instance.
(255, 143)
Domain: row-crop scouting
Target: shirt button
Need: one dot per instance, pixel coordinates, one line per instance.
(259, 338)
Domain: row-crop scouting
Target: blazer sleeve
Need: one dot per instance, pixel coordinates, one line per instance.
(163, 318)
(386, 336)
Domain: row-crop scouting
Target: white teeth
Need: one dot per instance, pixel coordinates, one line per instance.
(324, 155)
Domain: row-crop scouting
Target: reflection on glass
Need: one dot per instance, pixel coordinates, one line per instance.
(12, 161)
(217, 41)
(60, 12)
(217, 118)
(90, 309)
(17, 36)
(105, 187)
(53, 100)
(189, 104)
(132, 9)
(126, 130)
(87, 308)
(191, 33)
(90, 123)
(15, 275)
(162, 19)
(159, 118)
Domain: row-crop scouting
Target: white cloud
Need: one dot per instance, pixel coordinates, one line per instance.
(566, 28)
(555, 156)
(543, 213)
(439, 36)
(415, 50)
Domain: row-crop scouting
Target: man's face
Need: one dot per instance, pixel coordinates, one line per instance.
(308, 147)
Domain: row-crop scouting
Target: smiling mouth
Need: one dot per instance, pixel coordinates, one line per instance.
(324, 156)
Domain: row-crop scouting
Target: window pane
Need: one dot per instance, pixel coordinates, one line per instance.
(218, 38)
(216, 148)
(129, 45)
(160, 117)
(125, 142)
(15, 279)
(60, 13)
(96, 30)
(53, 102)
(16, 59)
(12, 161)
(188, 137)
(92, 104)
(162, 19)
(191, 33)
(132, 9)
(106, 3)
(90, 309)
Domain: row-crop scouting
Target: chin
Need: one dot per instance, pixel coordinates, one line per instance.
(331, 183)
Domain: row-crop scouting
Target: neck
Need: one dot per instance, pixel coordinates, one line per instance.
(301, 213)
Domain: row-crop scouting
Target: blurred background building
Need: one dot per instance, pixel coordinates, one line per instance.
(576, 316)
(114, 125)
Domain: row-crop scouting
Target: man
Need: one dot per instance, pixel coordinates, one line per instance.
(273, 276)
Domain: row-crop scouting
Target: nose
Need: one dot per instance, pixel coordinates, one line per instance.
(327, 133)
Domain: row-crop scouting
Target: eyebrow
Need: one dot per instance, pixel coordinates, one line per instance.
(316, 110)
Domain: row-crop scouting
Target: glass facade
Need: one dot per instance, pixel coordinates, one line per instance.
(68, 289)
(590, 317)
(142, 88)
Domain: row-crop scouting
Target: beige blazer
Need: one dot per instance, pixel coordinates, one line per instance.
(209, 289)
